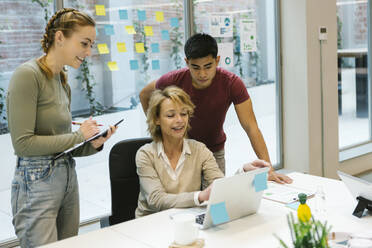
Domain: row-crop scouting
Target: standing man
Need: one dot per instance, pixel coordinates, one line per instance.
(212, 90)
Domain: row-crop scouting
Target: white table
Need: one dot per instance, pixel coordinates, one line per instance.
(252, 231)
(103, 238)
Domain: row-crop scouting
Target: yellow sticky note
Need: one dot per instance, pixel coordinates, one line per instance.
(113, 66)
(130, 29)
(121, 47)
(140, 48)
(102, 48)
(148, 31)
(100, 10)
(159, 16)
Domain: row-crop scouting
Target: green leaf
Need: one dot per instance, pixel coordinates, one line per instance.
(310, 234)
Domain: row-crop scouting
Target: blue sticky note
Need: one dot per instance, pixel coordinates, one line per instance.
(141, 15)
(219, 213)
(133, 65)
(293, 205)
(174, 22)
(109, 29)
(155, 64)
(155, 47)
(165, 34)
(123, 14)
(260, 181)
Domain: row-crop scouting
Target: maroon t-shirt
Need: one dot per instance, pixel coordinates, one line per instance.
(211, 103)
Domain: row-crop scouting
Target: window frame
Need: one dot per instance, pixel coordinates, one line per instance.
(364, 147)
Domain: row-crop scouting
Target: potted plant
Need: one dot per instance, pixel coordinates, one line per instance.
(177, 37)
(87, 79)
(2, 105)
(307, 234)
(144, 58)
(45, 4)
(3, 123)
(237, 53)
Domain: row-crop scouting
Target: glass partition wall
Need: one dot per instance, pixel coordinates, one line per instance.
(353, 73)
(137, 42)
(246, 34)
(22, 25)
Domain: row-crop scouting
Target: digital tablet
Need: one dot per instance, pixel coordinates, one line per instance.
(103, 133)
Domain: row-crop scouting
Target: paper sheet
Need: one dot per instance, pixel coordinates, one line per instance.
(248, 35)
(284, 193)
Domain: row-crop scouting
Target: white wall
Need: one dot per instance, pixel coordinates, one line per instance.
(302, 118)
(294, 80)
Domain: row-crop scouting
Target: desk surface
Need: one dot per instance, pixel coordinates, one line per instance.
(256, 230)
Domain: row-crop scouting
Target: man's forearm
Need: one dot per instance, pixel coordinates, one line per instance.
(145, 95)
(144, 102)
(259, 145)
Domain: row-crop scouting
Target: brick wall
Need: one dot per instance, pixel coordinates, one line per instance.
(360, 24)
(21, 28)
(22, 25)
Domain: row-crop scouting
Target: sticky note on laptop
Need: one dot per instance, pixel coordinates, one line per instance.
(260, 181)
(219, 213)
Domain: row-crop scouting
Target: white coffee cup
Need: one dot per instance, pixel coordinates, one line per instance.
(185, 229)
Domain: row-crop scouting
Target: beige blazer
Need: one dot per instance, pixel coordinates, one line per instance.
(158, 191)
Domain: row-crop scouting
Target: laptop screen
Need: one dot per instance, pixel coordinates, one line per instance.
(234, 197)
(356, 186)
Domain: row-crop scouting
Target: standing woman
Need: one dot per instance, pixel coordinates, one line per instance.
(45, 195)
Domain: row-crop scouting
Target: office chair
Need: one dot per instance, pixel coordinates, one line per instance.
(124, 180)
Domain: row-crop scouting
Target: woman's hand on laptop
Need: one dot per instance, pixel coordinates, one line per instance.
(204, 195)
(258, 163)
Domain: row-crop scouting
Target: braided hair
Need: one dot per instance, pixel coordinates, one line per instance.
(65, 20)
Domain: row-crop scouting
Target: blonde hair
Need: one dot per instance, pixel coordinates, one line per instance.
(173, 93)
(65, 20)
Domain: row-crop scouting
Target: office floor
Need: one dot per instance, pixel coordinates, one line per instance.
(95, 199)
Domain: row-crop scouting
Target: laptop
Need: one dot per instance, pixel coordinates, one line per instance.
(237, 192)
(356, 186)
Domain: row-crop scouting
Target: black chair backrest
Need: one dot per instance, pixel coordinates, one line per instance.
(124, 179)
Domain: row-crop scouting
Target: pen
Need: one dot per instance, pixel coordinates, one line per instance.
(79, 123)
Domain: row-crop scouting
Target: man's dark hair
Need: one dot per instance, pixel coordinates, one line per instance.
(201, 45)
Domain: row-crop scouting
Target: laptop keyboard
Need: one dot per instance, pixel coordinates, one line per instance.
(200, 219)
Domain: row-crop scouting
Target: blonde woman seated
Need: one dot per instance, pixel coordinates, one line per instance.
(170, 168)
